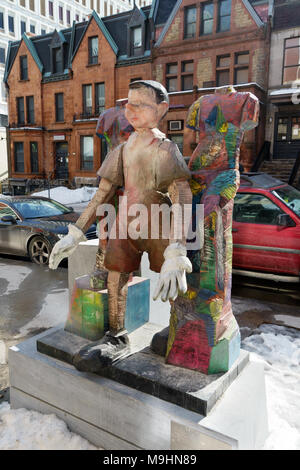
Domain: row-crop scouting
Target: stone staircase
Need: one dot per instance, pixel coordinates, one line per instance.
(280, 169)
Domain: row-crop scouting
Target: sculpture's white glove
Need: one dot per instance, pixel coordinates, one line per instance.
(65, 247)
(172, 278)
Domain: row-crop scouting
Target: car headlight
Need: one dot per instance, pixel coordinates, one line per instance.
(60, 235)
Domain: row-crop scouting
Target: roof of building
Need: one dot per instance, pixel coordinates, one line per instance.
(113, 27)
(286, 14)
(161, 9)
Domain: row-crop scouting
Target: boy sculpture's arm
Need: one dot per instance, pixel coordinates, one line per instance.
(172, 278)
(67, 245)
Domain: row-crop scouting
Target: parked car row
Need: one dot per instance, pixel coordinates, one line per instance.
(266, 226)
(30, 226)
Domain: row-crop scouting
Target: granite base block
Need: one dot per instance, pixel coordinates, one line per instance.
(147, 372)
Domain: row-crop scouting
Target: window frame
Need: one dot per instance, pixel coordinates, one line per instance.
(202, 20)
(20, 110)
(83, 163)
(87, 111)
(59, 107)
(99, 109)
(16, 163)
(30, 109)
(220, 17)
(93, 59)
(34, 165)
(284, 58)
(186, 24)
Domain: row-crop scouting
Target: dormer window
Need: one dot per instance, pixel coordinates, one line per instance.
(57, 52)
(136, 41)
(57, 60)
(136, 33)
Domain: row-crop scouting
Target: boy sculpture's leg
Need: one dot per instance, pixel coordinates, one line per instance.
(115, 343)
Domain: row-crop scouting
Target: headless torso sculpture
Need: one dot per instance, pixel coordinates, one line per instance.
(203, 333)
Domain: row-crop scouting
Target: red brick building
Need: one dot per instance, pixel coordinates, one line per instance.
(59, 83)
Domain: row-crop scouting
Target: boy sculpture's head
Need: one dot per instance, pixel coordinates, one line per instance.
(148, 103)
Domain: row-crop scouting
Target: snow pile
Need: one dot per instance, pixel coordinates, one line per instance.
(29, 430)
(279, 348)
(69, 196)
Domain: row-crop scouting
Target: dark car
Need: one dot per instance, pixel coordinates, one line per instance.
(30, 226)
(266, 226)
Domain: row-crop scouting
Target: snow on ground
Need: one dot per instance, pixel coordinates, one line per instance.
(69, 196)
(276, 346)
(29, 430)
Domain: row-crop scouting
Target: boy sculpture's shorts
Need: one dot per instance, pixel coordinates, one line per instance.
(124, 255)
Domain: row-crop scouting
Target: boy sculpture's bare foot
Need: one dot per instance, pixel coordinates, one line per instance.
(151, 169)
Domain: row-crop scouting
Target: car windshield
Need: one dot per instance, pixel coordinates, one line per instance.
(36, 208)
(290, 196)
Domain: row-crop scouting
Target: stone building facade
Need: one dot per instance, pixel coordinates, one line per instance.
(190, 47)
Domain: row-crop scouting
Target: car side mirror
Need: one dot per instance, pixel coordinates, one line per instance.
(71, 209)
(284, 220)
(8, 219)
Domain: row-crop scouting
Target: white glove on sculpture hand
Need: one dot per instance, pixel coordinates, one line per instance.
(172, 278)
(65, 247)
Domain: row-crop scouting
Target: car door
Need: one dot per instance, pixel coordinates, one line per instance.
(259, 243)
(10, 234)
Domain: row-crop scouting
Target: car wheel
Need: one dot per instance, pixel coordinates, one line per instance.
(39, 250)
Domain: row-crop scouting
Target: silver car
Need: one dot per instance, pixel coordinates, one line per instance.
(30, 226)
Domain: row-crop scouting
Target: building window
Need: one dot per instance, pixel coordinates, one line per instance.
(87, 100)
(241, 68)
(34, 157)
(93, 50)
(23, 68)
(1, 20)
(42, 7)
(100, 97)
(171, 77)
(224, 15)
(207, 18)
(87, 152)
(136, 41)
(291, 69)
(31, 5)
(2, 55)
(187, 75)
(19, 157)
(32, 28)
(23, 3)
(223, 70)
(30, 109)
(68, 17)
(178, 140)
(23, 27)
(43, 31)
(59, 107)
(77, 17)
(60, 14)
(190, 17)
(11, 24)
(57, 60)
(50, 5)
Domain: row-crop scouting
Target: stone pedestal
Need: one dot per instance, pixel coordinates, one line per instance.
(114, 415)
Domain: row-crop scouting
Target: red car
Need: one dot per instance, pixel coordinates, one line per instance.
(266, 226)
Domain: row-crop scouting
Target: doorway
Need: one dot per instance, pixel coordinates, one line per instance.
(287, 136)
(61, 161)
